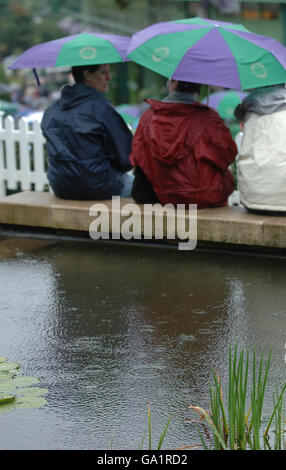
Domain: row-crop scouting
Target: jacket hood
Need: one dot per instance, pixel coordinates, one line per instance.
(73, 95)
(263, 101)
(180, 97)
(167, 143)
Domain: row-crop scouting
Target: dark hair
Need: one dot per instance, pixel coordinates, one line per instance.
(189, 87)
(77, 71)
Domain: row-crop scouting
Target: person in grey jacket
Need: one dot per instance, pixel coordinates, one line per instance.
(88, 142)
(261, 166)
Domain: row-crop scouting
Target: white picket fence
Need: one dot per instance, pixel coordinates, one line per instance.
(23, 160)
(23, 163)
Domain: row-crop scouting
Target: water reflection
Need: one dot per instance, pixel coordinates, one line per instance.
(110, 329)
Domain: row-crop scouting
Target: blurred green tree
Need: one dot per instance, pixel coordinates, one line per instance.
(21, 27)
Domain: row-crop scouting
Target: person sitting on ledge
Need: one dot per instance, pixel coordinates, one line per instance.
(88, 142)
(181, 151)
(261, 165)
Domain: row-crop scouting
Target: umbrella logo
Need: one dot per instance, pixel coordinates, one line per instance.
(88, 52)
(259, 70)
(160, 53)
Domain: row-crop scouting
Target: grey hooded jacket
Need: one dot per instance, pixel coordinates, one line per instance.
(262, 101)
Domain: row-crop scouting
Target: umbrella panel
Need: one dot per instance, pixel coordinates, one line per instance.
(87, 49)
(163, 53)
(209, 61)
(207, 22)
(80, 49)
(217, 53)
(257, 67)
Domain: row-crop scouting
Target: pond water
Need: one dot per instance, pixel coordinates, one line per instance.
(110, 329)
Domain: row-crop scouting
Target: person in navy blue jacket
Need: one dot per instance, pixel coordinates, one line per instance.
(88, 142)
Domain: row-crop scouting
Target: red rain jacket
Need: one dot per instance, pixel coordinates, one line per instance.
(184, 151)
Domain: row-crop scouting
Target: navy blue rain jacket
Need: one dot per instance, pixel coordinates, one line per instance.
(88, 145)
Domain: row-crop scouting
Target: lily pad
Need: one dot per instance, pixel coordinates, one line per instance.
(25, 395)
(6, 407)
(5, 374)
(30, 402)
(7, 399)
(24, 381)
(32, 392)
(9, 366)
(7, 386)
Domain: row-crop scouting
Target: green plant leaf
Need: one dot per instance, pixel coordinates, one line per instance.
(162, 437)
(3, 359)
(241, 428)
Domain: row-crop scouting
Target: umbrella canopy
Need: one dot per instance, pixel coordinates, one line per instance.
(225, 102)
(129, 112)
(79, 49)
(210, 52)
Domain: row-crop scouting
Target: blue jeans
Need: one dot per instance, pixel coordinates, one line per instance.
(128, 182)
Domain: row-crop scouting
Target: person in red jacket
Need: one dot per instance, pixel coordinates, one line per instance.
(181, 152)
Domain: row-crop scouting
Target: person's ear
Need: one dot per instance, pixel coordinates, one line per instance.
(86, 75)
(174, 84)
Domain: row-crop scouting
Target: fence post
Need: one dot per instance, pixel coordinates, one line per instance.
(2, 157)
(24, 155)
(39, 157)
(10, 138)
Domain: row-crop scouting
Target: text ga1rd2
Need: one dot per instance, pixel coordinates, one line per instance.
(143, 459)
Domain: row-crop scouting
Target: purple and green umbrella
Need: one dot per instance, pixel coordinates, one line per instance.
(129, 112)
(79, 49)
(210, 52)
(225, 102)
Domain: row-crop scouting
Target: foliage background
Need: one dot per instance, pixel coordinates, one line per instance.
(24, 23)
